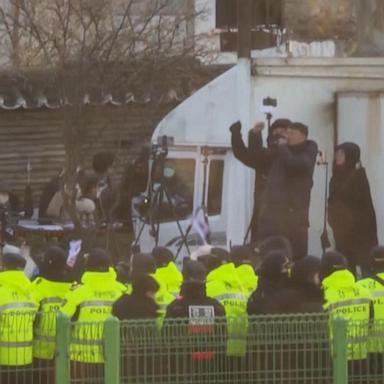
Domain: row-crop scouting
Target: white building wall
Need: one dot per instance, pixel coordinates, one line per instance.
(309, 96)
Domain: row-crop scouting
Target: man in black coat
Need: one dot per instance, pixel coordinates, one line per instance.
(285, 203)
(257, 157)
(140, 304)
(193, 300)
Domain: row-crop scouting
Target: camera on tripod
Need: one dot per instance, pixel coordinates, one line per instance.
(160, 149)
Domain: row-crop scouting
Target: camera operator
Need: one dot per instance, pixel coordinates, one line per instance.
(285, 202)
(257, 157)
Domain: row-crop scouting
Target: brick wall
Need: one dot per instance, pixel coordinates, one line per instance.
(37, 135)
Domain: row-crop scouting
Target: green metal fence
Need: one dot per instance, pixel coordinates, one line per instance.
(280, 349)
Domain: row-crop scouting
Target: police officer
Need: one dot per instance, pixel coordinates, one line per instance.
(144, 264)
(166, 271)
(375, 284)
(243, 257)
(344, 298)
(17, 314)
(92, 301)
(224, 285)
(49, 290)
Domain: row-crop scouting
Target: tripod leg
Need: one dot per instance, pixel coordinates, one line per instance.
(181, 245)
(139, 235)
(176, 219)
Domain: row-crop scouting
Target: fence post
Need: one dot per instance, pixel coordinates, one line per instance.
(62, 372)
(112, 351)
(339, 346)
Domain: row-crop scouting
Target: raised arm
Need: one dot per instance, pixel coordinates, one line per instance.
(250, 156)
(299, 161)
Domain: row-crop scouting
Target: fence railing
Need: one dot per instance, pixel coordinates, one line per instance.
(289, 348)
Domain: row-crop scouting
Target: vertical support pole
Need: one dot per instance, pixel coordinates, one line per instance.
(112, 351)
(244, 25)
(339, 355)
(62, 371)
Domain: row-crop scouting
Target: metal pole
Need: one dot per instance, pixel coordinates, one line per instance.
(339, 353)
(244, 25)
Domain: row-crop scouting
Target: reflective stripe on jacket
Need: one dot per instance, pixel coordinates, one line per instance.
(17, 313)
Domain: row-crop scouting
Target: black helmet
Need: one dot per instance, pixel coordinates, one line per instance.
(143, 264)
(303, 270)
(162, 255)
(332, 261)
(123, 272)
(194, 271)
(377, 259)
(54, 265)
(142, 283)
(275, 266)
(275, 243)
(214, 259)
(12, 259)
(98, 260)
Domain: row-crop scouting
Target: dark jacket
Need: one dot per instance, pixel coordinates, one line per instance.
(285, 203)
(193, 294)
(351, 214)
(257, 157)
(267, 298)
(135, 306)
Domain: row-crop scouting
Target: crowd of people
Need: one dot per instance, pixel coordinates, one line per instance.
(284, 179)
(276, 277)
(214, 284)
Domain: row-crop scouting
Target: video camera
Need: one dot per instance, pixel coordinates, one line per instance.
(160, 149)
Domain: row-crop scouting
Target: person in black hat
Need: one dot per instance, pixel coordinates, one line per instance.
(258, 158)
(246, 260)
(273, 281)
(204, 316)
(351, 213)
(374, 283)
(49, 291)
(304, 294)
(17, 313)
(140, 304)
(285, 202)
(193, 295)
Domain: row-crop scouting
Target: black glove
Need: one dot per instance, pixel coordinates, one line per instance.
(235, 127)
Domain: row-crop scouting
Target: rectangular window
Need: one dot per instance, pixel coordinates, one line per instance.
(179, 180)
(215, 187)
(265, 13)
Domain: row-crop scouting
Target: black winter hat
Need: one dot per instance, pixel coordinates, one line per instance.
(143, 283)
(143, 263)
(280, 123)
(55, 256)
(352, 154)
(194, 271)
(332, 261)
(98, 260)
(377, 259)
(162, 255)
(54, 264)
(304, 269)
(275, 243)
(123, 272)
(275, 266)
